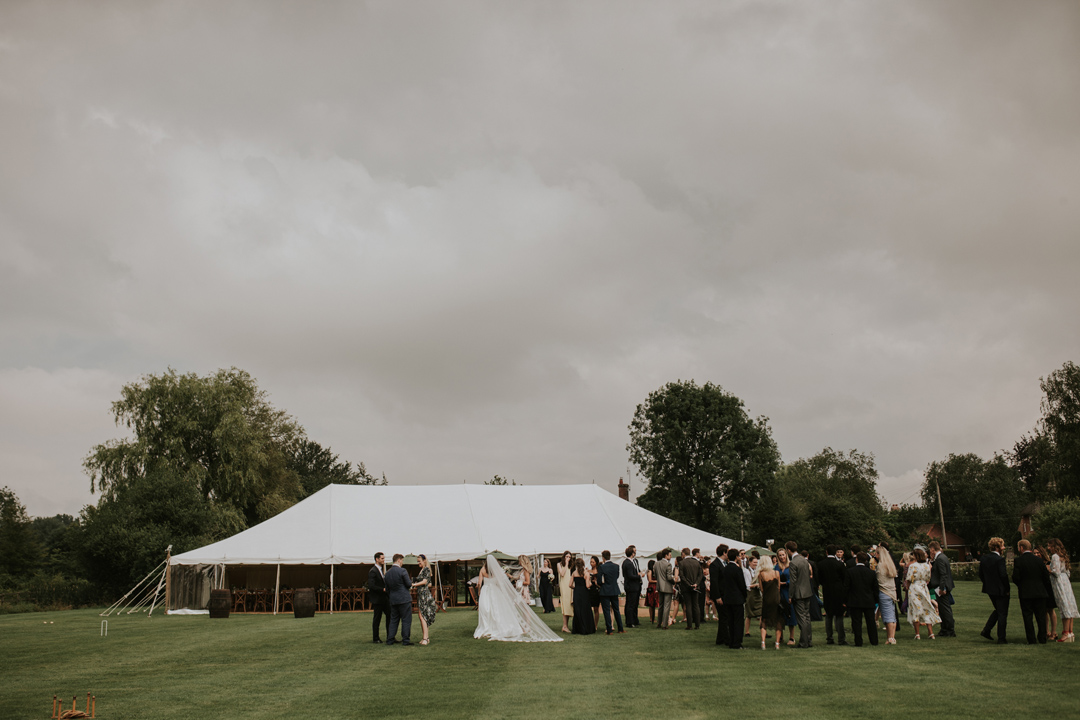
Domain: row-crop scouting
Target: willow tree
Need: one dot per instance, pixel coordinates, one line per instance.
(219, 433)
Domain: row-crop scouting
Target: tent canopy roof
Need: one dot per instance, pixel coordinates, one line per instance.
(350, 523)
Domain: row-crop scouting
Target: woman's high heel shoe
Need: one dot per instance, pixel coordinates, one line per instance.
(932, 636)
(777, 644)
(919, 638)
(762, 644)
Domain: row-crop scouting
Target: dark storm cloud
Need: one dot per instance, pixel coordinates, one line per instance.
(460, 240)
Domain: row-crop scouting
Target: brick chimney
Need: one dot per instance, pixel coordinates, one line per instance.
(624, 490)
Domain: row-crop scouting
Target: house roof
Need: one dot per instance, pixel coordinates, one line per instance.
(934, 531)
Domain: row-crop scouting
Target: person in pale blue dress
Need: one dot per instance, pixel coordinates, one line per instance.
(1063, 592)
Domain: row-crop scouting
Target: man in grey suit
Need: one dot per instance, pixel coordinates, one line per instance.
(398, 583)
(665, 586)
(800, 590)
(941, 582)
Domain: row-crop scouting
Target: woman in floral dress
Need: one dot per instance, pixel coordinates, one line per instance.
(1063, 592)
(424, 598)
(920, 609)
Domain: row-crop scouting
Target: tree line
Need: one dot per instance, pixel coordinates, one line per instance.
(709, 464)
(208, 456)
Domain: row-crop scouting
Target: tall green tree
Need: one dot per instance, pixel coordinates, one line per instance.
(19, 551)
(981, 499)
(125, 535)
(1060, 519)
(317, 466)
(828, 498)
(1048, 458)
(700, 453)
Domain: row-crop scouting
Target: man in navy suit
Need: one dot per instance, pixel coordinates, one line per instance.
(734, 581)
(609, 591)
(995, 583)
(398, 583)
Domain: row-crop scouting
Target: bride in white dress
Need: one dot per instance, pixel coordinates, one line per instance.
(503, 614)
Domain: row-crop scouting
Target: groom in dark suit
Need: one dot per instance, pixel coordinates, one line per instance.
(834, 586)
(995, 583)
(609, 591)
(631, 573)
(734, 599)
(1028, 572)
(398, 583)
(862, 597)
(716, 591)
(941, 582)
(376, 592)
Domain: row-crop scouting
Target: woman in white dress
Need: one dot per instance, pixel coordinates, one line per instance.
(1063, 592)
(524, 581)
(503, 614)
(920, 608)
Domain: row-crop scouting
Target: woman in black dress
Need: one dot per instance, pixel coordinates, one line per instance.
(768, 581)
(547, 577)
(584, 624)
(594, 589)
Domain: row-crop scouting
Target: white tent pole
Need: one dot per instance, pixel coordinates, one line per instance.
(438, 585)
(164, 575)
(277, 587)
(331, 588)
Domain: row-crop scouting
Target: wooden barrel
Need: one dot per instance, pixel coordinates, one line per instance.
(304, 602)
(220, 603)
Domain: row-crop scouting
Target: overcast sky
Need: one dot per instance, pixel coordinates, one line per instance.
(464, 239)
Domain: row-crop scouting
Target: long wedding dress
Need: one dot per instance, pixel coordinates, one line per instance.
(503, 614)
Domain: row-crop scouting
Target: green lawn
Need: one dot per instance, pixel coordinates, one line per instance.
(326, 667)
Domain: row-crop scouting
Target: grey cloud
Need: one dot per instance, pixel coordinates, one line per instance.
(465, 240)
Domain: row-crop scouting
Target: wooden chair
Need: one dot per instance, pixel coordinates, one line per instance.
(261, 601)
(239, 600)
(285, 605)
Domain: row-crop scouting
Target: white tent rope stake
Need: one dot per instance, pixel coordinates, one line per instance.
(148, 595)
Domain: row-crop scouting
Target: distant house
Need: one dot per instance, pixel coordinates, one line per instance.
(1026, 530)
(952, 541)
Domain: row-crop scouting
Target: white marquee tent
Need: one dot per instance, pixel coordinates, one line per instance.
(348, 524)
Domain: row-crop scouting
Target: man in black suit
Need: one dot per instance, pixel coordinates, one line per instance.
(716, 594)
(834, 587)
(734, 581)
(398, 583)
(376, 592)
(1028, 572)
(608, 576)
(691, 581)
(631, 573)
(995, 583)
(862, 597)
(703, 594)
(941, 582)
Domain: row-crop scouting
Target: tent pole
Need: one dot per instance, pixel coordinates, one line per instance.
(168, 583)
(331, 588)
(277, 587)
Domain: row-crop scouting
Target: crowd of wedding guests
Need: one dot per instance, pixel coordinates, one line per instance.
(850, 590)
(854, 591)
